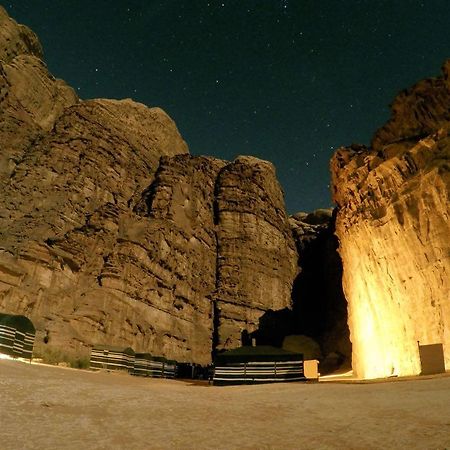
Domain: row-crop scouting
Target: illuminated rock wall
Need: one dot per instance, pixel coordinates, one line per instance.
(393, 225)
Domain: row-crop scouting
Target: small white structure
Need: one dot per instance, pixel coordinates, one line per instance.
(311, 369)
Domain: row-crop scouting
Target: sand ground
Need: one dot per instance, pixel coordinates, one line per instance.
(44, 407)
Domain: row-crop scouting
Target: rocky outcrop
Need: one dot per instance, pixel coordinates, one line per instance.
(256, 253)
(393, 228)
(110, 232)
(417, 112)
(319, 304)
(157, 276)
(31, 99)
(66, 208)
(72, 172)
(165, 259)
(16, 39)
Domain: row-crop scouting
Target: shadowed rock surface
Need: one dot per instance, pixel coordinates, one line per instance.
(393, 227)
(319, 304)
(110, 232)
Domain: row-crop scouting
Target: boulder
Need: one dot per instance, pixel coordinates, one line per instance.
(303, 344)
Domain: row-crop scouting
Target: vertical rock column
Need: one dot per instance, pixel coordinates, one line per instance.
(256, 260)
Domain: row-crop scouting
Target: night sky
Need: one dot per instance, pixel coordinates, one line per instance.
(286, 81)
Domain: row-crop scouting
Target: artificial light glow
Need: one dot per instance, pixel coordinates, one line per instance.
(382, 345)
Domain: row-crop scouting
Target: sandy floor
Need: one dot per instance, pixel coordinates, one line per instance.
(44, 407)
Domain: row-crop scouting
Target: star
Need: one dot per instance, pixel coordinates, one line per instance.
(266, 72)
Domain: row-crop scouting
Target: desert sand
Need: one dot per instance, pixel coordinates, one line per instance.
(44, 407)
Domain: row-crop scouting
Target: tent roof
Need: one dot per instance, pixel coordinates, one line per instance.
(257, 353)
(171, 361)
(145, 356)
(150, 357)
(19, 322)
(112, 348)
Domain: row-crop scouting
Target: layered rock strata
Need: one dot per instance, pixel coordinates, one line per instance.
(66, 207)
(393, 227)
(31, 99)
(110, 232)
(257, 260)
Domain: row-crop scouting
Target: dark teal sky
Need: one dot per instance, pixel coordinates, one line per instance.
(286, 81)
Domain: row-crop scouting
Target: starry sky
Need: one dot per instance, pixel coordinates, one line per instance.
(286, 81)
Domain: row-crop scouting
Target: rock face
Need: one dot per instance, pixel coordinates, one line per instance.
(30, 98)
(256, 253)
(110, 232)
(393, 227)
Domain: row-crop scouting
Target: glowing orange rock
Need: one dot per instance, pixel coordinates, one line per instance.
(393, 225)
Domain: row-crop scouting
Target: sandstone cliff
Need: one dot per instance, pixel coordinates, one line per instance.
(393, 227)
(110, 232)
(257, 261)
(31, 99)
